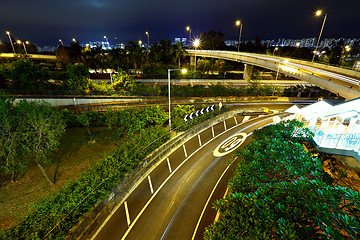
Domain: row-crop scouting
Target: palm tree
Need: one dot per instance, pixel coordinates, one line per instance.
(179, 52)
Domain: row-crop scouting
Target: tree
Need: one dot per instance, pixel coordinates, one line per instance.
(23, 74)
(78, 77)
(9, 139)
(40, 127)
(180, 52)
(123, 81)
(212, 40)
(203, 65)
(84, 119)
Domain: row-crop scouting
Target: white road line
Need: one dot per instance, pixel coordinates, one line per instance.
(213, 134)
(235, 120)
(150, 184)
(167, 179)
(185, 150)
(225, 125)
(246, 118)
(127, 213)
(199, 140)
(168, 162)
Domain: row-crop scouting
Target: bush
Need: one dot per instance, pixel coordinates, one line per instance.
(280, 192)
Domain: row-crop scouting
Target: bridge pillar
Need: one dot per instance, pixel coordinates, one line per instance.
(192, 60)
(248, 70)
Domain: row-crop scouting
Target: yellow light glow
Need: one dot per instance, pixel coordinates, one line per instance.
(18, 41)
(27, 42)
(147, 33)
(318, 13)
(187, 28)
(140, 42)
(289, 69)
(196, 42)
(238, 23)
(184, 71)
(7, 32)
(105, 37)
(74, 40)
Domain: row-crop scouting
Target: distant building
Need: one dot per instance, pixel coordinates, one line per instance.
(178, 39)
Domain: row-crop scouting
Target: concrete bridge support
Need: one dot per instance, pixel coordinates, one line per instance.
(248, 70)
(192, 60)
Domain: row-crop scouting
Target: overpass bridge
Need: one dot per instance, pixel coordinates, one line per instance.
(343, 82)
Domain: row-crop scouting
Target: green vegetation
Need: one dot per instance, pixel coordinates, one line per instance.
(53, 216)
(29, 132)
(280, 192)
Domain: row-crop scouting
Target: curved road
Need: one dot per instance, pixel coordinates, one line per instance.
(175, 200)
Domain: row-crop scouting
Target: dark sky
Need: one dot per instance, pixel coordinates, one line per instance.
(45, 21)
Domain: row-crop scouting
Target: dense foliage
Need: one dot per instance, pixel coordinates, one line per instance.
(280, 192)
(29, 132)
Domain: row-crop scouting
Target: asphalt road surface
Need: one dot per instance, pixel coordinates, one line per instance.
(175, 200)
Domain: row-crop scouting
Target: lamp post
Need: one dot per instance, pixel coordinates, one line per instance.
(318, 13)
(169, 71)
(347, 49)
(189, 30)
(277, 74)
(238, 23)
(196, 44)
(148, 37)
(23, 43)
(12, 45)
(275, 49)
(62, 44)
(74, 40)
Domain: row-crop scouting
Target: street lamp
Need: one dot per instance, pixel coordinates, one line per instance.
(347, 49)
(140, 42)
(148, 37)
(275, 49)
(61, 42)
(196, 44)
(169, 70)
(23, 43)
(238, 23)
(285, 62)
(74, 40)
(318, 13)
(8, 33)
(189, 30)
(107, 42)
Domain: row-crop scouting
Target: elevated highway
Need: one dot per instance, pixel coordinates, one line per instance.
(343, 82)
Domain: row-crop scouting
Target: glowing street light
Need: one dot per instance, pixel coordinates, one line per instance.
(189, 30)
(319, 13)
(23, 43)
(183, 71)
(140, 42)
(148, 37)
(196, 44)
(12, 45)
(238, 23)
(74, 40)
(61, 42)
(347, 48)
(275, 49)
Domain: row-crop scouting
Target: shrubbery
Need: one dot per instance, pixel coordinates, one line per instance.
(280, 192)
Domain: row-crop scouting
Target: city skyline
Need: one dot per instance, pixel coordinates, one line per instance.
(44, 23)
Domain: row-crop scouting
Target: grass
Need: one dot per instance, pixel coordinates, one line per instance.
(75, 154)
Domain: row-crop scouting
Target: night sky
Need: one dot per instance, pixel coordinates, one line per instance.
(43, 22)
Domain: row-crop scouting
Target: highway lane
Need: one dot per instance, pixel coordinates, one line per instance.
(173, 205)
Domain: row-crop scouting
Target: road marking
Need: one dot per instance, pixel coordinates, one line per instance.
(127, 213)
(212, 129)
(151, 187)
(199, 140)
(168, 162)
(185, 150)
(246, 118)
(230, 144)
(225, 125)
(236, 123)
(167, 179)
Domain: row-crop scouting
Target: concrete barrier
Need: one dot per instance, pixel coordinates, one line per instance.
(88, 226)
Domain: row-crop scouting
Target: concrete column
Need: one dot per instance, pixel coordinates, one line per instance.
(248, 72)
(192, 60)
